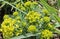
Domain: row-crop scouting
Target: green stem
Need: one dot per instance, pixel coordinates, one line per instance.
(2, 5)
(14, 7)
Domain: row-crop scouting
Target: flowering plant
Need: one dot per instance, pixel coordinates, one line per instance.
(28, 17)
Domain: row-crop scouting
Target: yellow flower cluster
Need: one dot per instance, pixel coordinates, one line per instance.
(20, 6)
(0, 30)
(27, 4)
(15, 13)
(17, 18)
(30, 3)
(46, 19)
(8, 22)
(32, 28)
(18, 32)
(33, 16)
(46, 34)
(50, 25)
(6, 16)
(9, 25)
(45, 11)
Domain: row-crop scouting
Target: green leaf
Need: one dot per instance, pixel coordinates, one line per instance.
(57, 18)
(25, 36)
(18, 37)
(51, 10)
(58, 3)
(57, 24)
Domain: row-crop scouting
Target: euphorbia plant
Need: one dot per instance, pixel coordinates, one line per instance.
(28, 17)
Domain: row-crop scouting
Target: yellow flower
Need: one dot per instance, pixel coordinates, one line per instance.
(45, 11)
(18, 21)
(11, 34)
(6, 16)
(14, 21)
(46, 34)
(7, 30)
(0, 29)
(22, 8)
(49, 25)
(15, 13)
(7, 27)
(17, 33)
(28, 3)
(7, 22)
(32, 28)
(18, 18)
(20, 30)
(46, 19)
(11, 28)
(33, 16)
(17, 26)
(41, 19)
(18, 5)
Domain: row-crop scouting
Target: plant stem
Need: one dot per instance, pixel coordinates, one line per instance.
(14, 7)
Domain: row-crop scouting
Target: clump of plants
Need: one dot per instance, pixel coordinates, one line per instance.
(28, 17)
